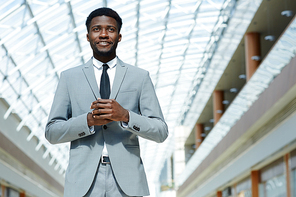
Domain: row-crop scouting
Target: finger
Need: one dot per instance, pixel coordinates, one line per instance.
(103, 106)
(102, 103)
(96, 106)
(95, 102)
(102, 117)
(101, 111)
(98, 117)
(96, 112)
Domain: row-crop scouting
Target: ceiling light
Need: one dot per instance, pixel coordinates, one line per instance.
(256, 58)
(287, 13)
(206, 129)
(269, 38)
(233, 90)
(242, 76)
(225, 102)
(219, 111)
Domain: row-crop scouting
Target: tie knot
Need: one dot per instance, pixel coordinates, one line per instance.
(105, 66)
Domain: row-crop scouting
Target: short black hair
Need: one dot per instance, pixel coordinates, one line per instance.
(104, 11)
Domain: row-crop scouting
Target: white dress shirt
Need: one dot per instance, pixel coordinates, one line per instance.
(98, 68)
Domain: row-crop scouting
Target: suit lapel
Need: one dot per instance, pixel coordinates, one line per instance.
(89, 73)
(118, 79)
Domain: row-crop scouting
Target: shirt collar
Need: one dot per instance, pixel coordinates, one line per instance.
(112, 63)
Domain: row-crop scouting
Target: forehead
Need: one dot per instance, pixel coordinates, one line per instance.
(103, 21)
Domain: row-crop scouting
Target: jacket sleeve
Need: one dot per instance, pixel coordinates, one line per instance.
(150, 122)
(61, 126)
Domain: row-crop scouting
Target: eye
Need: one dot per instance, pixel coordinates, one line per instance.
(96, 29)
(111, 29)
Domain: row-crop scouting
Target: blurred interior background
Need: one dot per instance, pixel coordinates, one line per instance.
(224, 72)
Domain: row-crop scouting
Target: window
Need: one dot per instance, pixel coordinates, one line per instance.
(293, 182)
(273, 180)
(275, 187)
(12, 193)
(227, 192)
(243, 188)
(293, 172)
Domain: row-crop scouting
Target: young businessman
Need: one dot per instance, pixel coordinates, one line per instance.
(102, 107)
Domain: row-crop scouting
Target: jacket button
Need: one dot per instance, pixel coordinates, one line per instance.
(105, 127)
(81, 134)
(136, 128)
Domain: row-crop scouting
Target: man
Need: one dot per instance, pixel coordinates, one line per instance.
(103, 130)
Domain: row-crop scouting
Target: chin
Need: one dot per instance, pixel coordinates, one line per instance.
(105, 53)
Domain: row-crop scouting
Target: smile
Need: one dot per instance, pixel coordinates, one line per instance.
(104, 43)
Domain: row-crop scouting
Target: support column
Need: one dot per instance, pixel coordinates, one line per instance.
(3, 189)
(234, 190)
(218, 97)
(252, 50)
(288, 180)
(219, 193)
(255, 180)
(22, 194)
(199, 129)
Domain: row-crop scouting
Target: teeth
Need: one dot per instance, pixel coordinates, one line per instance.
(103, 43)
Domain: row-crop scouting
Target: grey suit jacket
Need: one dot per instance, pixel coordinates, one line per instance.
(132, 89)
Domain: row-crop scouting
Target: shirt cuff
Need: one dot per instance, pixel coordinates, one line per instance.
(124, 124)
(92, 129)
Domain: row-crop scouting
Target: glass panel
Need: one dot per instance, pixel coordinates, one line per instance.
(272, 170)
(244, 186)
(275, 187)
(293, 159)
(245, 193)
(228, 192)
(293, 182)
(12, 193)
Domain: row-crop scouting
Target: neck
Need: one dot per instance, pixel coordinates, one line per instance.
(104, 59)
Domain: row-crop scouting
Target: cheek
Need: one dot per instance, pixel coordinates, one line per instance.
(92, 37)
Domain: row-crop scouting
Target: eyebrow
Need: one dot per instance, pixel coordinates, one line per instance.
(101, 25)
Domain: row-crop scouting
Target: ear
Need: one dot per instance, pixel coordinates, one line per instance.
(87, 37)
(119, 37)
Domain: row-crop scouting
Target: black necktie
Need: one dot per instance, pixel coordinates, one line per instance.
(105, 83)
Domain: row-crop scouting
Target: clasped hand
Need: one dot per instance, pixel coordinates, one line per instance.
(105, 111)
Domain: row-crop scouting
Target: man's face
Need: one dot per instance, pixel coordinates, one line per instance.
(103, 37)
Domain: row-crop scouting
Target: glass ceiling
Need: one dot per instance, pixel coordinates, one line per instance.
(173, 39)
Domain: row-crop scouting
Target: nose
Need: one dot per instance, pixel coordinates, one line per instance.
(104, 33)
